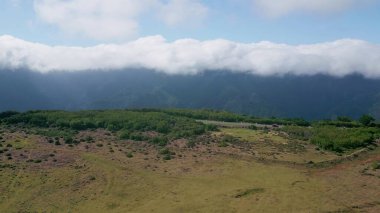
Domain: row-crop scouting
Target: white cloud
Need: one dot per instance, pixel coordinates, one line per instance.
(188, 56)
(277, 8)
(114, 19)
(176, 12)
(98, 19)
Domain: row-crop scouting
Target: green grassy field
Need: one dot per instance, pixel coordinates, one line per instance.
(254, 171)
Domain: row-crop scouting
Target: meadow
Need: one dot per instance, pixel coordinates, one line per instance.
(170, 161)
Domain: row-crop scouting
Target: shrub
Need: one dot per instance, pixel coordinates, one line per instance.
(191, 143)
(160, 140)
(366, 120)
(164, 151)
(137, 136)
(167, 157)
(226, 139)
(125, 135)
(68, 140)
(338, 139)
(344, 119)
(211, 127)
(89, 139)
(223, 144)
(296, 132)
(375, 165)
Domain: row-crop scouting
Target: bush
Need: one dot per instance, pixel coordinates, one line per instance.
(37, 161)
(226, 140)
(89, 139)
(167, 157)
(191, 143)
(223, 144)
(8, 114)
(164, 151)
(125, 135)
(296, 132)
(338, 139)
(69, 140)
(344, 119)
(366, 120)
(137, 137)
(375, 165)
(161, 141)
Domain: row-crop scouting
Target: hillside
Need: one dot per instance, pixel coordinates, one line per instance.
(176, 160)
(310, 97)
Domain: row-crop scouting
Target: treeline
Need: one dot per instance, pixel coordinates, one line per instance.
(108, 118)
(216, 115)
(208, 114)
(337, 135)
(128, 123)
(340, 121)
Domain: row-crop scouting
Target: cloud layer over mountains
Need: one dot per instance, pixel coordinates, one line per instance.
(189, 56)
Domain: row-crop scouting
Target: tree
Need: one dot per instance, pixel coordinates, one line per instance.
(366, 120)
(344, 119)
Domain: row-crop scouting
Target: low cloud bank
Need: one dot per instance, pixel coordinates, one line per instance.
(188, 56)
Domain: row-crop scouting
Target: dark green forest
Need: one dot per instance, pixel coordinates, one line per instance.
(310, 97)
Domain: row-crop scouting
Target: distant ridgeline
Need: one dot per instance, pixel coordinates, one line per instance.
(170, 124)
(310, 97)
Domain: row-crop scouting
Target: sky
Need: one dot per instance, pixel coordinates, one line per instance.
(266, 37)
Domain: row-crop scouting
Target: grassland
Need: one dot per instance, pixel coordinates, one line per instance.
(261, 170)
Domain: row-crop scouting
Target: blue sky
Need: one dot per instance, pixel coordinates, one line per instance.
(236, 20)
(263, 37)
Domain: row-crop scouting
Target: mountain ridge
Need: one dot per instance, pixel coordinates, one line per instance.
(310, 97)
